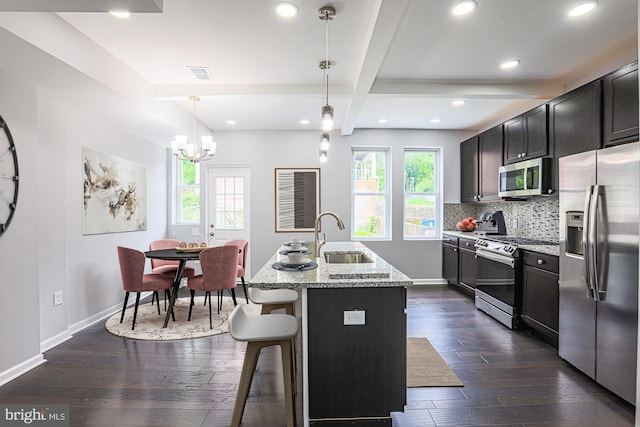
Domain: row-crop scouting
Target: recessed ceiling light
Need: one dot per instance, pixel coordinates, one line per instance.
(463, 7)
(434, 121)
(457, 102)
(510, 64)
(122, 14)
(286, 9)
(231, 122)
(382, 120)
(583, 8)
(304, 122)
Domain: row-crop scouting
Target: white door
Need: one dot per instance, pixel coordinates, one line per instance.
(228, 204)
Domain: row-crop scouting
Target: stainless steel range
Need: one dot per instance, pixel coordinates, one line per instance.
(499, 268)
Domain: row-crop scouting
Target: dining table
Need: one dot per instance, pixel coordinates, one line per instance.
(181, 255)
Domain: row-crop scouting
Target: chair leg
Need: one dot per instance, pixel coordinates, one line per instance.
(232, 291)
(167, 295)
(248, 369)
(135, 311)
(244, 287)
(219, 301)
(124, 306)
(191, 305)
(210, 317)
(287, 368)
(157, 298)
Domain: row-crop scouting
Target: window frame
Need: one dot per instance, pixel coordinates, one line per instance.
(437, 193)
(180, 186)
(387, 194)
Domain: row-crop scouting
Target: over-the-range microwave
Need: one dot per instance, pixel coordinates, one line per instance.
(528, 178)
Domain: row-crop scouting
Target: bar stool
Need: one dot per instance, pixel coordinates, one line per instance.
(274, 299)
(259, 332)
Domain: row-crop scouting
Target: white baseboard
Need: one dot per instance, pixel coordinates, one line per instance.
(429, 282)
(49, 343)
(21, 368)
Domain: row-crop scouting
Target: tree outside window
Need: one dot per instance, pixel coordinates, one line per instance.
(370, 194)
(188, 192)
(421, 193)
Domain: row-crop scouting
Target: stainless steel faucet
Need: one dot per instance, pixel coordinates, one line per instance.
(317, 243)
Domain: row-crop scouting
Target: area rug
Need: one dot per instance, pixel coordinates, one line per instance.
(426, 368)
(149, 323)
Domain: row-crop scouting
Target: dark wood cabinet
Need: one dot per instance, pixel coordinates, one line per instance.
(540, 295)
(450, 259)
(467, 262)
(480, 158)
(469, 170)
(357, 373)
(490, 146)
(526, 136)
(575, 123)
(620, 92)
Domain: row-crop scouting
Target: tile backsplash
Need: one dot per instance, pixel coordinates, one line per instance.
(537, 218)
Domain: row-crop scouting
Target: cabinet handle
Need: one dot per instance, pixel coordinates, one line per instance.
(540, 262)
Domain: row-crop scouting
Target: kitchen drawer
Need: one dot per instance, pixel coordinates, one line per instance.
(542, 261)
(467, 244)
(449, 240)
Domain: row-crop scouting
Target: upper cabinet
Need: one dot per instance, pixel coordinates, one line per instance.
(526, 136)
(574, 123)
(480, 158)
(620, 93)
(490, 145)
(469, 170)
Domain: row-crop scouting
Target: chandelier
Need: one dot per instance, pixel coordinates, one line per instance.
(184, 151)
(326, 14)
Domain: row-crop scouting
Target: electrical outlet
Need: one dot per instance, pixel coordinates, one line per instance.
(355, 317)
(57, 298)
(195, 231)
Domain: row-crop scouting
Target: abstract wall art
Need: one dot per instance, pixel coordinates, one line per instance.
(115, 194)
(297, 199)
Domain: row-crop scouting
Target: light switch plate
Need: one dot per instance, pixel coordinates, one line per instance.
(356, 317)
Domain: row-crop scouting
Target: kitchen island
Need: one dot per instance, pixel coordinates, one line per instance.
(353, 335)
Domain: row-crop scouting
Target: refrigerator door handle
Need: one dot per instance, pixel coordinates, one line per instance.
(600, 255)
(586, 242)
(593, 239)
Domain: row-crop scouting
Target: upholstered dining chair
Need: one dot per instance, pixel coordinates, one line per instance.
(243, 247)
(164, 266)
(134, 280)
(219, 269)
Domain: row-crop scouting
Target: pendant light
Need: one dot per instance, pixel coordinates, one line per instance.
(184, 151)
(326, 14)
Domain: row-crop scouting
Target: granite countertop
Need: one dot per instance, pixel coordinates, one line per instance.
(543, 249)
(377, 274)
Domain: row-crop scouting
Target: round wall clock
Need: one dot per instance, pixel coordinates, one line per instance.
(8, 177)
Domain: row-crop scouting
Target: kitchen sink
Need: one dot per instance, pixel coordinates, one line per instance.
(347, 258)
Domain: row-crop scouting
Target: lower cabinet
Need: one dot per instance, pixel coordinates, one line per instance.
(540, 295)
(467, 264)
(450, 259)
(357, 373)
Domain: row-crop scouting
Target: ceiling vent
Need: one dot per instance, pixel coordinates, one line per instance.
(201, 73)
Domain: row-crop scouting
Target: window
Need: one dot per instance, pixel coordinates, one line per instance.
(421, 193)
(188, 186)
(371, 201)
(230, 202)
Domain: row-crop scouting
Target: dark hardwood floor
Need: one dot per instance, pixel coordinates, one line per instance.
(510, 378)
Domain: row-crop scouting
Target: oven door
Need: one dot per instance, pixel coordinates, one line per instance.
(497, 281)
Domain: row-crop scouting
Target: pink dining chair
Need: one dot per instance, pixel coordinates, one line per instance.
(134, 280)
(243, 248)
(219, 268)
(164, 266)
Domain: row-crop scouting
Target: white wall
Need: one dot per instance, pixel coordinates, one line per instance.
(264, 151)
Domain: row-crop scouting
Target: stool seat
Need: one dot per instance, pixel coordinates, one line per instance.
(268, 327)
(258, 332)
(272, 296)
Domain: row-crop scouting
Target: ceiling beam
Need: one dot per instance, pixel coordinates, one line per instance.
(381, 31)
(312, 89)
(133, 6)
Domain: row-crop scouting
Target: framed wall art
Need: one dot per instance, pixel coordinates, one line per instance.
(297, 199)
(115, 194)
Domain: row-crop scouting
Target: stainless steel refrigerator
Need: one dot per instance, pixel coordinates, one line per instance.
(599, 216)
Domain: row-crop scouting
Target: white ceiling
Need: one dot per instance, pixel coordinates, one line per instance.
(401, 60)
